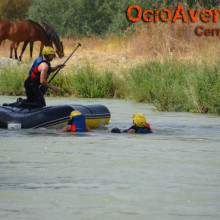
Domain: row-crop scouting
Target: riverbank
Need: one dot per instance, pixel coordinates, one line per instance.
(170, 85)
(173, 70)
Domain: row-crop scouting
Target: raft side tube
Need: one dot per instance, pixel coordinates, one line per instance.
(53, 116)
(9, 115)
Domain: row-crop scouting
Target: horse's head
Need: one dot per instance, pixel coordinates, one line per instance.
(60, 51)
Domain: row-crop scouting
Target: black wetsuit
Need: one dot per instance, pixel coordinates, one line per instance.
(35, 98)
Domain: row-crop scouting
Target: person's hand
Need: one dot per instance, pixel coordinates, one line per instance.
(55, 89)
(60, 66)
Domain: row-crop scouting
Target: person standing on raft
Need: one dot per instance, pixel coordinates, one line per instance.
(38, 75)
(77, 123)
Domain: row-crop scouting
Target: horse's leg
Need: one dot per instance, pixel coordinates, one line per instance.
(41, 48)
(15, 49)
(23, 49)
(11, 48)
(31, 48)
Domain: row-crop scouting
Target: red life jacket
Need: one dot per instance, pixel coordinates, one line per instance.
(147, 127)
(34, 72)
(73, 127)
(145, 130)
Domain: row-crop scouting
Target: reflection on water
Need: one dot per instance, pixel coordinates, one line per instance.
(172, 174)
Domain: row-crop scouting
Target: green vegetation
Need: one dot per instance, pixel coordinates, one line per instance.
(170, 85)
(85, 17)
(12, 80)
(87, 82)
(97, 17)
(14, 9)
(173, 85)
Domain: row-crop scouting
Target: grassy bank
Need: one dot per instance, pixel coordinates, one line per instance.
(170, 85)
(173, 85)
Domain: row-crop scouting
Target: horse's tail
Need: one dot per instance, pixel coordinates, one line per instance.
(5, 29)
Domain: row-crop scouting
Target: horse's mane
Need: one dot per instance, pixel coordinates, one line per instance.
(46, 35)
(53, 34)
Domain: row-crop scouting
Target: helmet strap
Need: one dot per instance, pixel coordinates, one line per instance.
(46, 57)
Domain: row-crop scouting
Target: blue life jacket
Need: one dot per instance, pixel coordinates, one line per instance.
(79, 123)
(143, 131)
(34, 74)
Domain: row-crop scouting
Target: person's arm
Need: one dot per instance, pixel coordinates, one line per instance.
(153, 131)
(43, 68)
(131, 131)
(60, 66)
(88, 128)
(66, 128)
(149, 128)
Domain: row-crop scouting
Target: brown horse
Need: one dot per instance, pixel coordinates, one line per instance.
(52, 36)
(22, 31)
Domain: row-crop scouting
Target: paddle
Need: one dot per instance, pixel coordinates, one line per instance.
(43, 89)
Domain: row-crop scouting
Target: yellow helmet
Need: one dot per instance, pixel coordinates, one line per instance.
(74, 113)
(139, 119)
(48, 50)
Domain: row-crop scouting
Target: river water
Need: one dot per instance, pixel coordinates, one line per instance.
(172, 174)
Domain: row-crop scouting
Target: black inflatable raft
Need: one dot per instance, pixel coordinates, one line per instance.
(52, 116)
